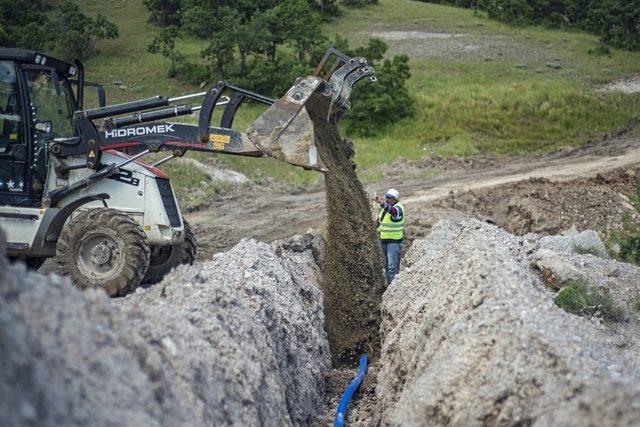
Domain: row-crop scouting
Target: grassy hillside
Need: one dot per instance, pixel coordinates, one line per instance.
(479, 85)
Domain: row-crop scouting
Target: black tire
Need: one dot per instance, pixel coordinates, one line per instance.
(104, 248)
(33, 263)
(166, 258)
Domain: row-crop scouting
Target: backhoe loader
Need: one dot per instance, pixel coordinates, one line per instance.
(72, 183)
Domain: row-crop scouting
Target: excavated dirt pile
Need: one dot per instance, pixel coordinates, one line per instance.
(237, 340)
(471, 335)
(548, 207)
(353, 282)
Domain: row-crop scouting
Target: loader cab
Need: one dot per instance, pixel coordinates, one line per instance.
(36, 105)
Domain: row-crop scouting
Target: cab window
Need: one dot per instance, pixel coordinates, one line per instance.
(12, 174)
(51, 102)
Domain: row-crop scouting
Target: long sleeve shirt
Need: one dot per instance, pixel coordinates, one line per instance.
(396, 212)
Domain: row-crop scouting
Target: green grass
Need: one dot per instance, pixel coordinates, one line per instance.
(486, 104)
(193, 187)
(502, 105)
(580, 298)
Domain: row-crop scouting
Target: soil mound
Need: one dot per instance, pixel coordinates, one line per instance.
(237, 340)
(471, 336)
(544, 206)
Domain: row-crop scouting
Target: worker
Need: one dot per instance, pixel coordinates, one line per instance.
(390, 226)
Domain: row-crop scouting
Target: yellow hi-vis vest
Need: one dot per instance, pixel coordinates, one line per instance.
(389, 229)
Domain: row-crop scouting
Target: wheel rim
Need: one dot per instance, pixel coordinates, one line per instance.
(160, 255)
(100, 256)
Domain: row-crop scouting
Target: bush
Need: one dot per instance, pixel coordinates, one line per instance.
(627, 240)
(377, 104)
(630, 249)
(579, 298)
(65, 30)
(77, 33)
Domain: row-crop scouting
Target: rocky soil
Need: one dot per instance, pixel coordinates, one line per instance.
(471, 336)
(543, 206)
(237, 340)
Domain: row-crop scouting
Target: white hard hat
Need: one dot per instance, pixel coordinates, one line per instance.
(392, 192)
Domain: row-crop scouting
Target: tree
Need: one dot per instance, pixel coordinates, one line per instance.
(294, 21)
(24, 24)
(617, 21)
(358, 3)
(67, 31)
(164, 12)
(377, 104)
(77, 33)
(165, 45)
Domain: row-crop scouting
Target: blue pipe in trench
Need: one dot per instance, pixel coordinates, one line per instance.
(341, 414)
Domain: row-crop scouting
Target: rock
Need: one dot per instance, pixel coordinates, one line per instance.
(521, 66)
(615, 249)
(572, 231)
(510, 357)
(556, 270)
(557, 244)
(238, 340)
(588, 242)
(440, 236)
(554, 65)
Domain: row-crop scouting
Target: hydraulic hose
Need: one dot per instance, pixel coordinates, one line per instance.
(341, 414)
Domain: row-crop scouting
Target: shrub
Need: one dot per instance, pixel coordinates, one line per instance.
(77, 33)
(65, 30)
(627, 240)
(578, 297)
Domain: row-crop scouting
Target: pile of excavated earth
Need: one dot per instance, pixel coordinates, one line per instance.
(236, 340)
(470, 335)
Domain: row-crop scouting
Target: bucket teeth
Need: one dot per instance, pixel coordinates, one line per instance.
(343, 79)
(338, 77)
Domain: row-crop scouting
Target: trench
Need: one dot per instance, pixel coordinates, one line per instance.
(353, 281)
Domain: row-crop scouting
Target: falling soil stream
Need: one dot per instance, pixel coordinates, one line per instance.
(353, 282)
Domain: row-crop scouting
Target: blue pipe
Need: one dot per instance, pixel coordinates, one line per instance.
(341, 414)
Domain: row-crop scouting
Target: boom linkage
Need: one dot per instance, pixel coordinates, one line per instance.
(132, 134)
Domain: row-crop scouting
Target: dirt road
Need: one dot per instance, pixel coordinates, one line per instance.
(267, 215)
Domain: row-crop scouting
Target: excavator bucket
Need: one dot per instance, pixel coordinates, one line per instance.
(286, 132)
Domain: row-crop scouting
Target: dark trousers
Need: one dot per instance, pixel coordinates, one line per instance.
(391, 252)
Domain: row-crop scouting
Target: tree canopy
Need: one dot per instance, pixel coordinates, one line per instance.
(264, 45)
(58, 27)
